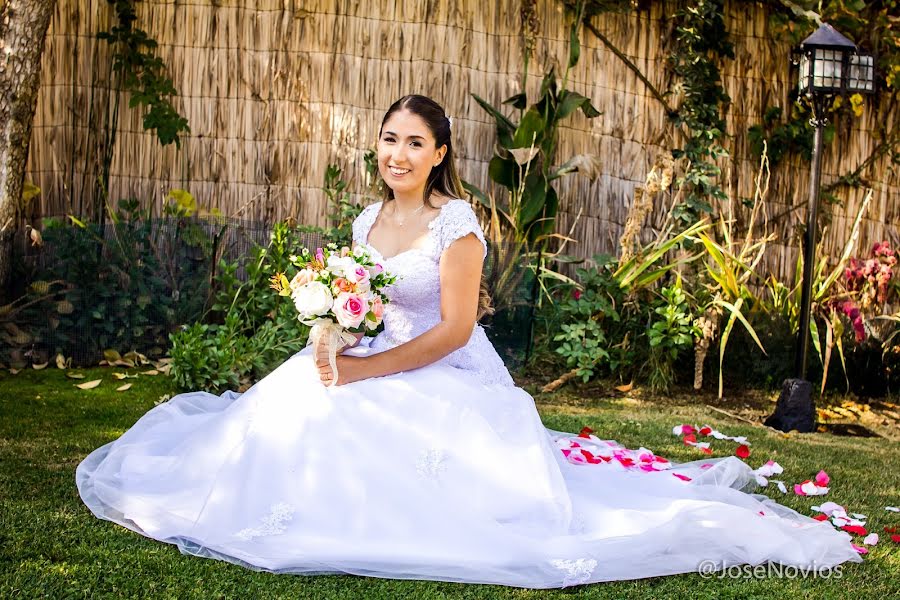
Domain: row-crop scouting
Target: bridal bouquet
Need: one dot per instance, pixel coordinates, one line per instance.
(337, 291)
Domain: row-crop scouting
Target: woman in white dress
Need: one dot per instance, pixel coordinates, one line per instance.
(425, 461)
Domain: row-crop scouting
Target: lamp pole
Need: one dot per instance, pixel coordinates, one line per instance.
(830, 65)
(810, 240)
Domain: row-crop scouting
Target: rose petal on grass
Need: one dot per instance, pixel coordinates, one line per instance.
(742, 451)
(871, 539)
(859, 549)
(892, 508)
(822, 478)
(855, 529)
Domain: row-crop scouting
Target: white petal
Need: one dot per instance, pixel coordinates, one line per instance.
(871, 539)
(892, 508)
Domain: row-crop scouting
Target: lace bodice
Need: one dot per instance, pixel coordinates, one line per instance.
(414, 306)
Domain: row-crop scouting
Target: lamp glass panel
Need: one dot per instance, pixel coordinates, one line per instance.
(862, 73)
(828, 67)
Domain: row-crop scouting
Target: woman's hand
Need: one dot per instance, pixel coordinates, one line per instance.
(349, 367)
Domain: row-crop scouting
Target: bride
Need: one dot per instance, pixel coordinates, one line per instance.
(425, 461)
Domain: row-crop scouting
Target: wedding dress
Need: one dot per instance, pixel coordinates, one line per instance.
(444, 472)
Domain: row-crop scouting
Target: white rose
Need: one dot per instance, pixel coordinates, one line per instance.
(339, 265)
(312, 299)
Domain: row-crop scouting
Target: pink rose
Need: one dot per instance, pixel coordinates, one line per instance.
(358, 274)
(350, 309)
(377, 310)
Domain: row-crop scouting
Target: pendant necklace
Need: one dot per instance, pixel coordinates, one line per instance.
(401, 222)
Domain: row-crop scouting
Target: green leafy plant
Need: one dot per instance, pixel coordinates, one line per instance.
(525, 155)
(671, 333)
(700, 41)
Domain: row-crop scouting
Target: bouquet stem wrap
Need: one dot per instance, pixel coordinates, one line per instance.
(334, 337)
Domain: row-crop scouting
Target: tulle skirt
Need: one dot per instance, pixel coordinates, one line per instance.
(427, 474)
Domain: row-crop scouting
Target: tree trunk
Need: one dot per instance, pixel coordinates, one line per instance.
(23, 27)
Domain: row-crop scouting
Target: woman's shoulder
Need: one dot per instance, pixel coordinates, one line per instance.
(364, 221)
(457, 219)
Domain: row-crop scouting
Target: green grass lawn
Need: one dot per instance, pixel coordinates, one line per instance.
(51, 546)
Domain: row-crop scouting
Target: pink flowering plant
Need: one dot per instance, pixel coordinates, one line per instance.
(870, 283)
(338, 292)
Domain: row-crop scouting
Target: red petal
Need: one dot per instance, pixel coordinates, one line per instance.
(585, 432)
(682, 477)
(689, 438)
(707, 450)
(856, 529)
(705, 430)
(626, 462)
(742, 451)
(895, 538)
(590, 457)
(890, 529)
(821, 517)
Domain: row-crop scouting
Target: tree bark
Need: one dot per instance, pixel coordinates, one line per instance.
(23, 27)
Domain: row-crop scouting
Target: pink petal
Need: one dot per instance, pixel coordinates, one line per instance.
(799, 490)
(859, 549)
(687, 429)
(682, 477)
(871, 539)
(822, 478)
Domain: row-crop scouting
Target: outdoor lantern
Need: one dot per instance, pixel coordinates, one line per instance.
(830, 66)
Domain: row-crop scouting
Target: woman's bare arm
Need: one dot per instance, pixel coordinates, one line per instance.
(460, 273)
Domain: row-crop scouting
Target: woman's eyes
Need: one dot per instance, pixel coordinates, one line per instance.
(414, 143)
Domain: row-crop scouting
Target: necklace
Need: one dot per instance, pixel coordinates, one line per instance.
(400, 222)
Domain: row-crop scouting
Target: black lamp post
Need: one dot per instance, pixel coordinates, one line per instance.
(830, 65)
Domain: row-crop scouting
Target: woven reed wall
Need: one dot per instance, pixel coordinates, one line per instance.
(274, 90)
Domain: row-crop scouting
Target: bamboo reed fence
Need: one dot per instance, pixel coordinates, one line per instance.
(275, 90)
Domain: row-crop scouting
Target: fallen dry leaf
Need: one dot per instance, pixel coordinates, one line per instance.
(75, 375)
(40, 366)
(122, 388)
(111, 356)
(151, 372)
(60, 361)
(88, 385)
(625, 388)
(14, 371)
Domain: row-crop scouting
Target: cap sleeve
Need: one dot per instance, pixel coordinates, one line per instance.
(457, 219)
(364, 221)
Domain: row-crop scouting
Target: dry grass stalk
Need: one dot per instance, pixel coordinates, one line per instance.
(658, 179)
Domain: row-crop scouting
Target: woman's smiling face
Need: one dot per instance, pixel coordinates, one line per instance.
(407, 153)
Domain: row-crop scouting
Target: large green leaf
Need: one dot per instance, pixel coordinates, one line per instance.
(530, 130)
(533, 197)
(569, 103)
(519, 101)
(476, 193)
(505, 127)
(503, 171)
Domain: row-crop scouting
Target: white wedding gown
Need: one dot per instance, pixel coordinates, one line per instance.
(445, 472)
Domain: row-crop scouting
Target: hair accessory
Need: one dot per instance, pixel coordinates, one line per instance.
(450, 122)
